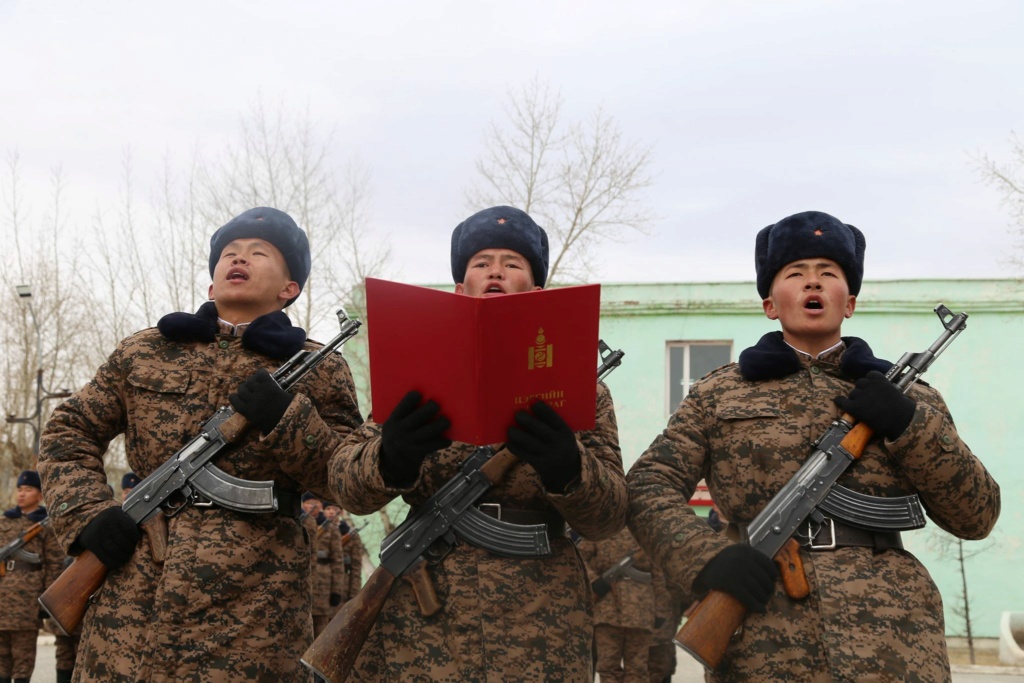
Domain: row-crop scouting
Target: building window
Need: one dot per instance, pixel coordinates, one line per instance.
(688, 362)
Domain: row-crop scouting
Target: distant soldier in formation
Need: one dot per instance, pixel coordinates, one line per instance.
(624, 609)
(129, 481)
(353, 552)
(330, 582)
(23, 578)
(670, 602)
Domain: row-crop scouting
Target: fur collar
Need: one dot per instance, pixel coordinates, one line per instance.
(773, 358)
(271, 335)
(37, 515)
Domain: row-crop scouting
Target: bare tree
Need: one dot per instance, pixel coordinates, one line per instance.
(1008, 179)
(42, 333)
(950, 547)
(581, 180)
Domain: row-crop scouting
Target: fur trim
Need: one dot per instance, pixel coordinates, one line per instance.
(773, 358)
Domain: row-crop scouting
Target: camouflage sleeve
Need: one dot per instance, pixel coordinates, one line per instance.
(596, 505)
(958, 492)
(337, 554)
(315, 424)
(355, 477)
(661, 483)
(72, 447)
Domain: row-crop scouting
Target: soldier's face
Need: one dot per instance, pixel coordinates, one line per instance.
(811, 298)
(494, 272)
(29, 497)
(331, 512)
(312, 507)
(252, 274)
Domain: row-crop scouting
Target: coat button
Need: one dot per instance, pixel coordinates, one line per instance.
(225, 344)
(815, 370)
(310, 440)
(63, 506)
(679, 536)
(947, 440)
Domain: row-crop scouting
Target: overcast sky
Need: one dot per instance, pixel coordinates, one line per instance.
(867, 110)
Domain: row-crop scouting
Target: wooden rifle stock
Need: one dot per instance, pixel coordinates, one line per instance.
(712, 621)
(68, 596)
(26, 536)
(333, 654)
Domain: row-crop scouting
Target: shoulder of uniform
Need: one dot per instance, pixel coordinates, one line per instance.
(728, 372)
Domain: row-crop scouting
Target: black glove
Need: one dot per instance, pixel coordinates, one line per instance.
(742, 572)
(547, 444)
(879, 404)
(410, 433)
(601, 587)
(111, 536)
(261, 401)
(334, 600)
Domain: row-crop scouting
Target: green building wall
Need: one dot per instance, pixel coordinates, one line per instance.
(979, 375)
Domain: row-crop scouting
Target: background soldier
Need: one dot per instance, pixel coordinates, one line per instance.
(330, 581)
(624, 608)
(353, 553)
(502, 619)
(873, 611)
(670, 603)
(129, 481)
(23, 578)
(230, 601)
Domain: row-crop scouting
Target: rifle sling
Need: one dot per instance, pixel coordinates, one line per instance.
(22, 566)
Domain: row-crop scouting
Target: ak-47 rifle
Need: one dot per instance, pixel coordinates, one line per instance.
(448, 514)
(187, 477)
(713, 620)
(623, 569)
(15, 550)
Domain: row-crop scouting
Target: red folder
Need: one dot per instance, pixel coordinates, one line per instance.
(483, 359)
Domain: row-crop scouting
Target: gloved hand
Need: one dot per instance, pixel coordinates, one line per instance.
(261, 401)
(111, 536)
(545, 442)
(601, 587)
(879, 404)
(743, 573)
(334, 599)
(410, 433)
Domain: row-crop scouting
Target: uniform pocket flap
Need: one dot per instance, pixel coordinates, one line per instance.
(164, 379)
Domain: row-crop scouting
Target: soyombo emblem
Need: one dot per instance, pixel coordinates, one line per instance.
(542, 354)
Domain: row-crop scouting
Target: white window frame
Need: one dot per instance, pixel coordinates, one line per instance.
(685, 344)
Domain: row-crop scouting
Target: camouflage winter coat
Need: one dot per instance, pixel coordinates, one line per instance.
(25, 580)
(870, 615)
(231, 602)
(328, 559)
(503, 619)
(353, 553)
(629, 604)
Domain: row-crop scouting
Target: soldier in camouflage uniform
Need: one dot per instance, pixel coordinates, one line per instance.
(328, 557)
(230, 600)
(352, 553)
(670, 603)
(624, 610)
(24, 578)
(873, 612)
(526, 619)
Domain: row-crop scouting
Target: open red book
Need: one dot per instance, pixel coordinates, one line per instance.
(483, 359)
